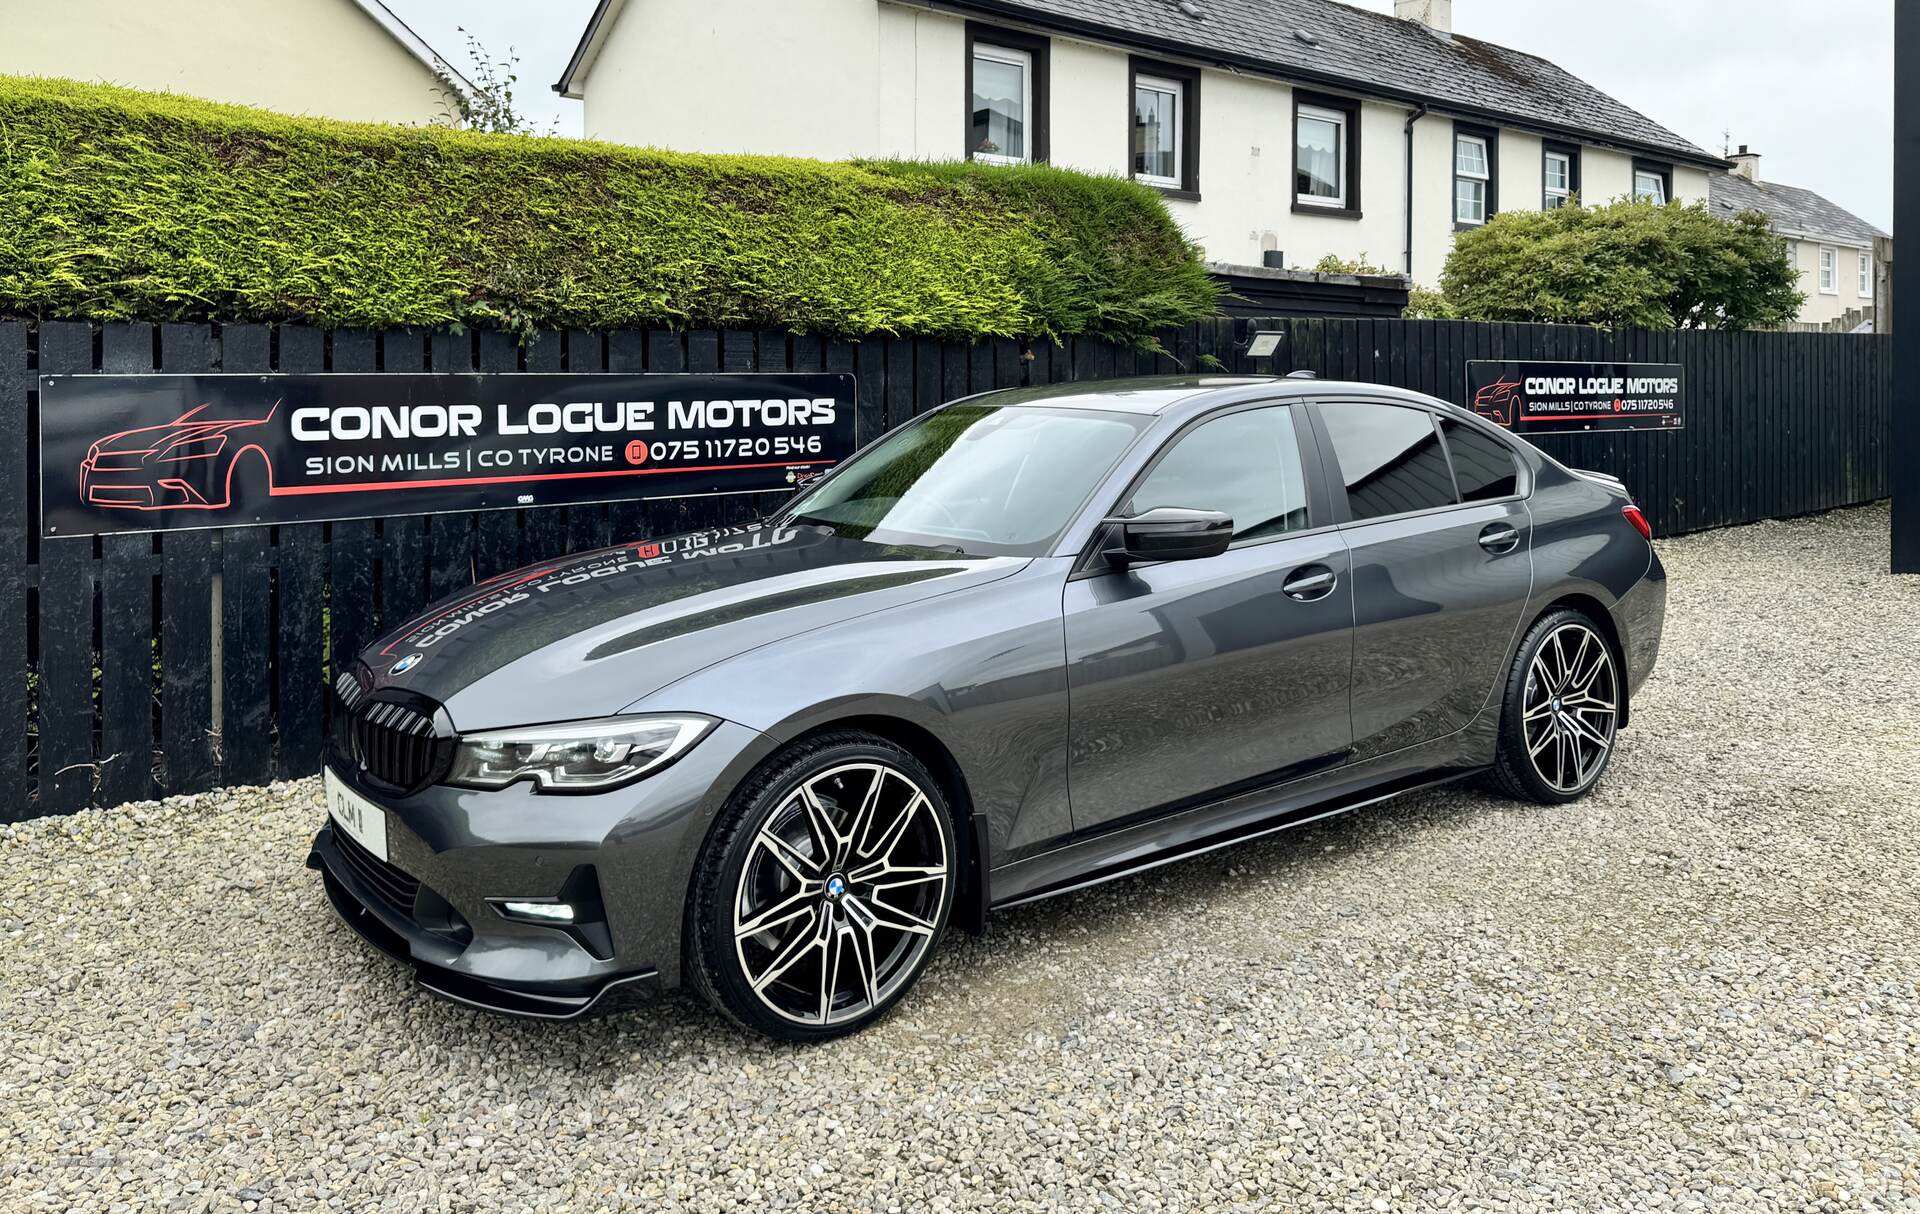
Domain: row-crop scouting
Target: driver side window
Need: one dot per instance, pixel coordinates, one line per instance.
(1245, 464)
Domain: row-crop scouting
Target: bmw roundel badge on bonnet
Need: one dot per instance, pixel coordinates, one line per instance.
(405, 664)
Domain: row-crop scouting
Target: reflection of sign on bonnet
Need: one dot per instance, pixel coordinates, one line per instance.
(1574, 398)
(162, 452)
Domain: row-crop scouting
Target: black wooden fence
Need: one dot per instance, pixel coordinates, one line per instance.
(146, 665)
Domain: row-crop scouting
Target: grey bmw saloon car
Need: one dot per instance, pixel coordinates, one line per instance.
(1026, 642)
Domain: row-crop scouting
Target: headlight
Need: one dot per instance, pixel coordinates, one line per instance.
(196, 448)
(581, 756)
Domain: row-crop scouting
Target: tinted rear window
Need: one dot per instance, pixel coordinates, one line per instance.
(1483, 465)
(1390, 459)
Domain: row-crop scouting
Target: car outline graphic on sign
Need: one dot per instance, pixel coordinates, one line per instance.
(177, 465)
(1500, 402)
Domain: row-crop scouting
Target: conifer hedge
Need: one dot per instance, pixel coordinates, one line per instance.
(124, 205)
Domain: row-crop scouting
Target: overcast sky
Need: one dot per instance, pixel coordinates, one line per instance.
(1807, 84)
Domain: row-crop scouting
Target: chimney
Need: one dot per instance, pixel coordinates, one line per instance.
(1436, 15)
(1746, 164)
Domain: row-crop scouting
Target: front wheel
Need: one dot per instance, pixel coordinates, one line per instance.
(1560, 712)
(823, 890)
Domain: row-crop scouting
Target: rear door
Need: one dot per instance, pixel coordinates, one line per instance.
(1433, 511)
(1191, 680)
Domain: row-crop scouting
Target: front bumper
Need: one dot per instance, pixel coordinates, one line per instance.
(357, 909)
(452, 852)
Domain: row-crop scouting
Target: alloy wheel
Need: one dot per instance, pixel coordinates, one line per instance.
(1570, 707)
(840, 893)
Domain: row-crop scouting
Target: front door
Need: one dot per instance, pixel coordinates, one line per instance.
(1192, 680)
(1442, 567)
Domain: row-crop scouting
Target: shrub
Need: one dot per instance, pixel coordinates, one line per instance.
(124, 205)
(1627, 263)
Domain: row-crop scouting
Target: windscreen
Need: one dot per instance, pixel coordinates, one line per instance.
(985, 479)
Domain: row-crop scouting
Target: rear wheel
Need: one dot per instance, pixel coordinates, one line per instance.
(1560, 713)
(249, 482)
(823, 890)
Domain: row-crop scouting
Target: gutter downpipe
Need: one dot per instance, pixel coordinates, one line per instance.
(1417, 115)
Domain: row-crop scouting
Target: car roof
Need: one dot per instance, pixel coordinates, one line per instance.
(1158, 394)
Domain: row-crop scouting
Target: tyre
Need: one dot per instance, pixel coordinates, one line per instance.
(823, 889)
(1560, 713)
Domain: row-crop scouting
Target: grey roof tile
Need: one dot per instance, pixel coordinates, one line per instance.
(1373, 49)
(1791, 208)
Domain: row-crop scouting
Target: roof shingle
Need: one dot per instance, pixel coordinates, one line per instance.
(1374, 53)
(1791, 208)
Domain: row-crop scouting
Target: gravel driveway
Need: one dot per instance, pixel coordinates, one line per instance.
(1696, 990)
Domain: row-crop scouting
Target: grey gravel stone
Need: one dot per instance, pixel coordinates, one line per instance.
(1695, 990)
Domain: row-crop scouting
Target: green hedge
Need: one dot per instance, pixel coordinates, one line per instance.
(121, 205)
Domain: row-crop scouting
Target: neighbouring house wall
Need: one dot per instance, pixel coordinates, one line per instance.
(318, 57)
(922, 74)
(694, 75)
(1820, 307)
(888, 79)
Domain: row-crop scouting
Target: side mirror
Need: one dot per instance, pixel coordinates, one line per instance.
(1171, 533)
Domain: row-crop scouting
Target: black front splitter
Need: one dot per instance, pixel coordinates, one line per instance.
(465, 990)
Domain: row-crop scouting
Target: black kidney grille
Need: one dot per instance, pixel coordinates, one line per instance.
(395, 744)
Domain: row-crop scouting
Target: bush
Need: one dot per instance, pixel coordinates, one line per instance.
(1627, 263)
(123, 205)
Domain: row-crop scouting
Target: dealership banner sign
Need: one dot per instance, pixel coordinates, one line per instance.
(165, 452)
(1577, 398)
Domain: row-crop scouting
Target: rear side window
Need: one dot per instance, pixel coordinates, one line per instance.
(1483, 465)
(1245, 464)
(1390, 459)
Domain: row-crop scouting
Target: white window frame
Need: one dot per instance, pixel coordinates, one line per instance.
(1178, 91)
(1549, 192)
(1658, 194)
(1339, 119)
(1829, 270)
(1793, 259)
(1866, 275)
(1009, 57)
(1485, 178)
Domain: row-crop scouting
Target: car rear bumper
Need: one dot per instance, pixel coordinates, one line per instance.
(1641, 615)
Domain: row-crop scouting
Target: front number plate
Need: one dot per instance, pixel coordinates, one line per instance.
(364, 821)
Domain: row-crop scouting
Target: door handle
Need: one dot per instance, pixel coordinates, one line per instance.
(1309, 583)
(1500, 537)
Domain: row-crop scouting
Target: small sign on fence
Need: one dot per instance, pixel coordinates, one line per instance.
(168, 452)
(1576, 398)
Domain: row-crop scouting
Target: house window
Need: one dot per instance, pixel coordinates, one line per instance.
(1866, 276)
(1164, 117)
(1829, 271)
(1793, 260)
(1473, 177)
(1652, 183)
(1559, 177)
(1320, 157)
(1006, 96)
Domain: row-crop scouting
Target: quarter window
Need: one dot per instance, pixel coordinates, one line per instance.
(1556, 180)
(1390, 459)
(1472, 178)
(1245, 464)
(1320, 157)
(1829, 272)
(1157, 116)
(1002, 104)
(1483, 466)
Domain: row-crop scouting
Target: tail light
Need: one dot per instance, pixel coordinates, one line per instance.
(1639, 521)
